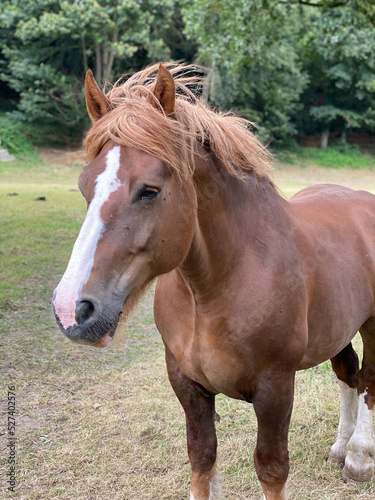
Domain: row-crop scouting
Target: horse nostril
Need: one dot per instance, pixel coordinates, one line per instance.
(84, 311)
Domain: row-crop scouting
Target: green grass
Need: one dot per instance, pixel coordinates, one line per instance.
(335, 156)
(105, 423)
(36, 235)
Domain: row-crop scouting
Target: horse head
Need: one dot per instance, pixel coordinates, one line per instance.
(139, 224)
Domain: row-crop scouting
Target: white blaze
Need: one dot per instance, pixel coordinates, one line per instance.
(82, 258)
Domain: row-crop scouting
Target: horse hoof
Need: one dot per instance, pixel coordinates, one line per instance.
(338, 460)
(358, 476)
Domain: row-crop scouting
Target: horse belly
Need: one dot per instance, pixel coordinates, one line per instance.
(338, 242)
(334, 321)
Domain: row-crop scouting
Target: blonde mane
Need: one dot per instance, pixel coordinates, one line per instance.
(137, 120)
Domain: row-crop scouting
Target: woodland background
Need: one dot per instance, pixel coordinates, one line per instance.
(296, 68)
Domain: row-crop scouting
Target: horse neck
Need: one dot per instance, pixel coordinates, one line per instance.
(231, 215)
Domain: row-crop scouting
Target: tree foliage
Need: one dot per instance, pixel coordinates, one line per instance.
(292, 66)
(338, 54)
(50, 45)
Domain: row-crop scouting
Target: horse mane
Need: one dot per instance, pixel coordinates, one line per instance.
(136, 119)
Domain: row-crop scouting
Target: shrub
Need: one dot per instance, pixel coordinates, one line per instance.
(339, 156)
(13, 137)
(335, 156)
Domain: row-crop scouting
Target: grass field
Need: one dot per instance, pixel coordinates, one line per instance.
(105, 424)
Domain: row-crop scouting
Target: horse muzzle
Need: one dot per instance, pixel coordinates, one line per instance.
(88, 321)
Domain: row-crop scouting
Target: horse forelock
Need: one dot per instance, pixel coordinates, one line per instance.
(137, 120)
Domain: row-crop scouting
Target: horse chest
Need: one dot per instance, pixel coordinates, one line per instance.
(209, 355)
(222, 349)
(219, 369)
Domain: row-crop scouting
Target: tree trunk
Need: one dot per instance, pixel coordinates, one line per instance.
(324, 136)
(110, 57)
(343, 137)
(105, 52)
(84, 55)
(98, 63)
(206, 85)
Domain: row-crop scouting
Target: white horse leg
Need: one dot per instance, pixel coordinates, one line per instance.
(282, 495)
(215, 491)
(348, 418)
(359, 462)
(198, 483)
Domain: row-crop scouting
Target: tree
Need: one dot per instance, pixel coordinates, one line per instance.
(53, 43)
(272, 61)
(338, 53)
(250, 47)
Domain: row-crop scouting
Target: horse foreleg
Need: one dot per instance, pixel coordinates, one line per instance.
(345, 365)
(199, 409)
(273, 405)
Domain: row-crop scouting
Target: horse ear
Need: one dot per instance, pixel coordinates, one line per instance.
(165, 91)
(96, 101)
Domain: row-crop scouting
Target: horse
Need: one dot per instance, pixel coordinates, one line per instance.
(251, 287)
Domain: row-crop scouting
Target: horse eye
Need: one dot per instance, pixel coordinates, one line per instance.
(149, 193)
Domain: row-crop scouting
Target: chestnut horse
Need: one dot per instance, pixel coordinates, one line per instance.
(251, 287)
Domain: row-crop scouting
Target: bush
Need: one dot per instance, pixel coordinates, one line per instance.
(335, 156)
(339, 156)
(13, 137)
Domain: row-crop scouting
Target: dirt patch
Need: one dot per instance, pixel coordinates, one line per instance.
(67, 157)
(294, 177)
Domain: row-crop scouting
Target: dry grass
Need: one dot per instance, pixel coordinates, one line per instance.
(101, 424)
(292, 178)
